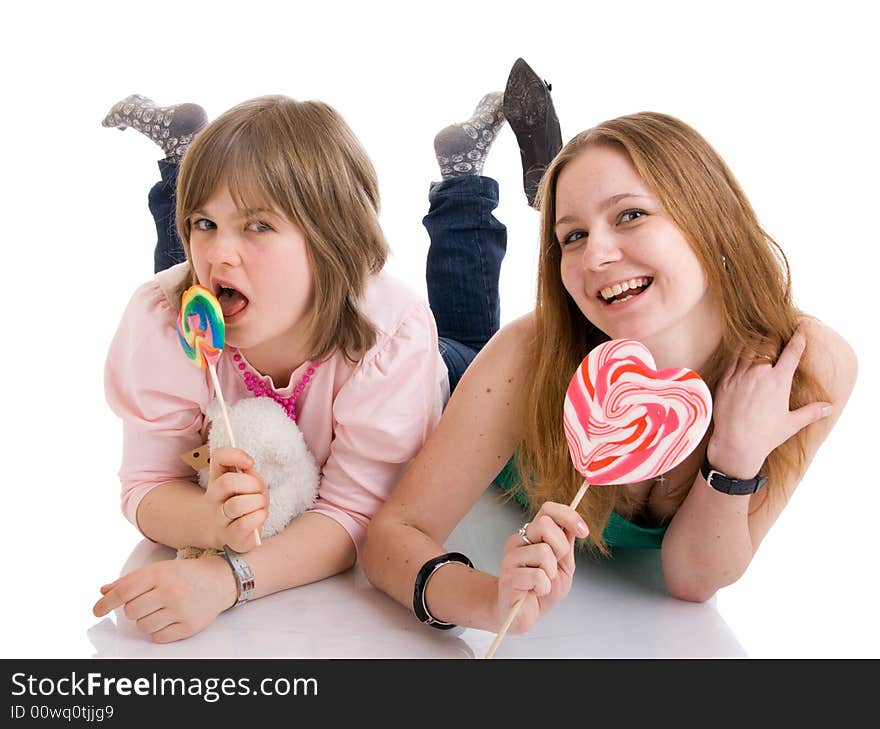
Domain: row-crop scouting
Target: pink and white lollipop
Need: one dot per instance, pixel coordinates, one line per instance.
(626, 422)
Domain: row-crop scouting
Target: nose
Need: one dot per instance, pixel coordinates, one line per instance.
(224, 248)
(601, 250)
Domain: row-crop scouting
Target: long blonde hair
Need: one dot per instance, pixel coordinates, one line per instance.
(302, 159)
(742, 263)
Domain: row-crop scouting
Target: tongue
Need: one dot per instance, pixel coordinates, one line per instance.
(231, 302)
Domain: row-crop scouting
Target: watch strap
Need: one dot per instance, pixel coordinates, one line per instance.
(241, 570)
(729, 485)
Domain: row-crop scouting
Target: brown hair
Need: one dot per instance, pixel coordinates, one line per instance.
(301, 159)
(742, 263)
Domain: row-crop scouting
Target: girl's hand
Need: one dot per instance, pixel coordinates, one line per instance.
(237, 499)
(171, 600)
(541, 571)
(751, 414)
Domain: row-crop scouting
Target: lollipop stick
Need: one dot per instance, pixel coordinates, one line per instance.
(219, 392)
(229, 432)
(514, 611)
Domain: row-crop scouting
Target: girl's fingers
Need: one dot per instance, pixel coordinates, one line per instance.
(175, 631)
(234, 484)
(564, 516)
(237, 506)
(126, 588)
(531, 579)
(543, 529)
(743, 364)
(155, 621)
(148, 602)
(539, 555)
(731, 367)
(240, 533)
(791, 355)
(807, 415)
(228, 459)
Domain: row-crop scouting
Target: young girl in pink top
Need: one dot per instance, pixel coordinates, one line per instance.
(277, 208)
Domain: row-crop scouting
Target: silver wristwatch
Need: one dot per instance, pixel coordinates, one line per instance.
(244, 576)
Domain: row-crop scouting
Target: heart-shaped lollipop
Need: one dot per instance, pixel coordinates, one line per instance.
(627, 422)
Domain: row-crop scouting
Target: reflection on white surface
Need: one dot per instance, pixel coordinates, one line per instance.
(616, 608)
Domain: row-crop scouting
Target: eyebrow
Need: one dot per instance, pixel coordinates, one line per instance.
(246, 213)
(613, 200)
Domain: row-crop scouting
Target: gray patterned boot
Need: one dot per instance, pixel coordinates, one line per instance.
(461, 149)
(171, 127)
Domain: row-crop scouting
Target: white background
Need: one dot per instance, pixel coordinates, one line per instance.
(785, 92)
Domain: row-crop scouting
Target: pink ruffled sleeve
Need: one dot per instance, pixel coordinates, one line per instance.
(382, 417)
(157, 393)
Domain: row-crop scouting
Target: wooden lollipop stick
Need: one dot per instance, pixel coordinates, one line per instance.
(219, 392)
(229, 432)
(514, 611)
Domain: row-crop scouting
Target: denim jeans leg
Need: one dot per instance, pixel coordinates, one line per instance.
(169, 249)
(464, 266)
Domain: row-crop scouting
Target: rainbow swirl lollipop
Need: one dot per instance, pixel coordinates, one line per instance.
(200, 326)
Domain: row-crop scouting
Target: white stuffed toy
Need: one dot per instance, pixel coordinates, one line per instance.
(281, 458)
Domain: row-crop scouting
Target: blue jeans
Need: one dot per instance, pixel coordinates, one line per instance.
(462, 271)
(169, 249)
(464, 266)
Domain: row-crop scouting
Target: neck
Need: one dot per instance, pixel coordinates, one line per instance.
(690, 347)
(277, 360)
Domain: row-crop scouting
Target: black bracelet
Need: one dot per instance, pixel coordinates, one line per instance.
(428, 569)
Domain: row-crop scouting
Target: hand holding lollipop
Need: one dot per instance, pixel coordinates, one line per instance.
(626, 422)
(202, 333)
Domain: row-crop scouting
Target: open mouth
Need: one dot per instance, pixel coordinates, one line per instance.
(625, 290)
(231, 300)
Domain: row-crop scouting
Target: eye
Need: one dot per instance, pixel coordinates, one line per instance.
(627, 216)
(203, 224)
(257, 226)
(575, 235)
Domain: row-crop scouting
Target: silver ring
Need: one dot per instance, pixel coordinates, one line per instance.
(522, 532)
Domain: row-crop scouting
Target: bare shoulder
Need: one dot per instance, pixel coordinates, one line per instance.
(831, 360)
(518, 335)
(504, 359)
(487, 406)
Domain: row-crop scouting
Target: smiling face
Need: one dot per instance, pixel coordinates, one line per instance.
(256, 262)
(627, 266)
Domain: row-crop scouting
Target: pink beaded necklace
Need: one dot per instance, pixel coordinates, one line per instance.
(260, 387)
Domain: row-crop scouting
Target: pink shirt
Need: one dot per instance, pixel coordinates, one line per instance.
(362, 422)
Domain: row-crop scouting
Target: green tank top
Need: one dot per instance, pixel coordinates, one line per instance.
(619, 532)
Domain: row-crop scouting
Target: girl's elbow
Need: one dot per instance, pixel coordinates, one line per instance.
(689, 591)
(693, 587)
(374, 554)
(370, 550)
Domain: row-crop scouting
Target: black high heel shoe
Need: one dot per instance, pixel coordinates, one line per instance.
(530, 113)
